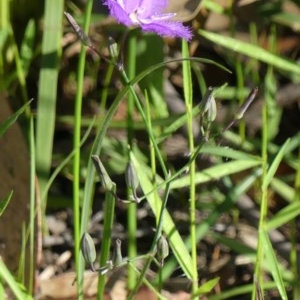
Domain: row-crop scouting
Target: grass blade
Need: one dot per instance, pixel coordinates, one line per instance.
(253, 51)
(12, 119)
(274, 166)
(45, 123)
(285, 215)
(206, 287)
(272, 264)
(216, 172)
(4, 202)
(15, 286)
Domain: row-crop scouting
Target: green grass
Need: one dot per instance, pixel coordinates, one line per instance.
(239, 164)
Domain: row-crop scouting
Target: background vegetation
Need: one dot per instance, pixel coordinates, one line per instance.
(165, 125)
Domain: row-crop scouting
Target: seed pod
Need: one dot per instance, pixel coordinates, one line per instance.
(162, 249)
(117, 253)
(88, 250)
(107, 183)
(131, 177)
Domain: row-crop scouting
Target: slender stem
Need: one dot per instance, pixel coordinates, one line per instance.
(266, 131)
(240, 87)
(188, 97)
(132, 208)
(293, 226)
(76, 160)
(264, 197)
(154, 172)
(76, 174)
(32, 205)
(104, 95)
(152, 156)
(109, 212)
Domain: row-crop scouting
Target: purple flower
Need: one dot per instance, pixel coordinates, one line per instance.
(148, 15)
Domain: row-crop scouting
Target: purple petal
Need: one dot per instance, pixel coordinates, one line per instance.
(172, 29)
(148, 15)
(131, 5)
(152, 7)
(116, 10)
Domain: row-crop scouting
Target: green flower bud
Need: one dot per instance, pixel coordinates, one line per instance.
(107, 183)
(88, 250)
(131, 178)
(162, 249)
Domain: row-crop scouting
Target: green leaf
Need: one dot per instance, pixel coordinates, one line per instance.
(47, 88)
(228, 153)
(272, 263)
(283, 189)
(288, 19)
(12, 119)
(285, 215)
(234, 244)
(253, 51)
(4, 202)
(206, 287)
(274, 166)
(216, 172)
(17, 289)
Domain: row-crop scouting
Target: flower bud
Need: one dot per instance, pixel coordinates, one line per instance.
(162, 249)
(132, 181)
(107, 183)
(88, 250)
(131, 178)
